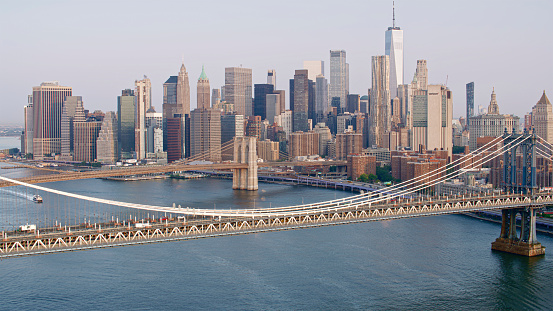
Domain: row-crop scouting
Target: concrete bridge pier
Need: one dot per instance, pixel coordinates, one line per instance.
(525, 243)
(245, 151)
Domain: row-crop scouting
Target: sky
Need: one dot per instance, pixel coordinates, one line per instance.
(101, 47)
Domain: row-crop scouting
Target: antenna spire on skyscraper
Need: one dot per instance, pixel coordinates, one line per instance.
(393, 14)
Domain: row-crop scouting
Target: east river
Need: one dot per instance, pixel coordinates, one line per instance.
(440, 262)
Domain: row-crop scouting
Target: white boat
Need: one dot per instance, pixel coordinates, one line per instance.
(37, 198)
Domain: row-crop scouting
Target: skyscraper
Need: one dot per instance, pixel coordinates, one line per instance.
(380, 100)
(315, 68)
(125, 123)
(107, 149)
(203, 91)
(272, 107)
(470, 101)
(48, 101)
(176, 104)
(205, 133)
(321, 98)
(542, 118)
(394, 49)
(73, 111)
(238, 89)
(85, 136)
(260, 99)
(301, 100)
(271, 77)
(143, 101)
(215, 97)
(338, 79)
(183, 92)
(28, 116)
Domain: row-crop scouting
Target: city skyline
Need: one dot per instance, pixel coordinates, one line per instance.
(98, 61)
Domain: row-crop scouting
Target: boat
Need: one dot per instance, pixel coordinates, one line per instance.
(37, 198)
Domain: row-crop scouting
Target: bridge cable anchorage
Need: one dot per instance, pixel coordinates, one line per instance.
(304, 208)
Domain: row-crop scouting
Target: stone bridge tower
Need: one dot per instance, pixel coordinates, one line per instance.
(245, 151)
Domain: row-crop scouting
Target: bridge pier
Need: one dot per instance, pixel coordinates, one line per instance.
(525, 244)
(245, 151)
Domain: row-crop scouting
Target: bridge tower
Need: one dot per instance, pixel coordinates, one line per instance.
(524, 182)
(245, 151)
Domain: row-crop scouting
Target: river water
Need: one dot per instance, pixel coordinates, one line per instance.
(440, 262)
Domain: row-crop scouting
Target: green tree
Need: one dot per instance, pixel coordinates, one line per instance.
(363, 178)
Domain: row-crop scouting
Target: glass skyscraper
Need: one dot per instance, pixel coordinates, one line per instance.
(470, 101)
(338, 77)
(125, 123)
(394, 49)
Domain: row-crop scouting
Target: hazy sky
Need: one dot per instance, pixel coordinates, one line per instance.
(102, 47)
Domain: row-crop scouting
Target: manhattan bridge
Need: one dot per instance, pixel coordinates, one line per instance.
(80, 222)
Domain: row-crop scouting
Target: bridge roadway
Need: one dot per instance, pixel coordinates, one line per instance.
(111, 234)
(152, 169)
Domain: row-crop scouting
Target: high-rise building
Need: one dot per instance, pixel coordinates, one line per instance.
(301, 100)
(125, 123)
(542, 119)
(107, 146)
(380, 100)
(354, 103)
(174, 138)
(238, 89)
(490, 124)
(154, 132)
(215, 97)
(271, 77)
(470, 100)
(183, 92)
(85, 136)
(176, 103)
(231, 126)
(304, 143)
(143, 100)
(205, 134)
(394, 49)
(273, 107)
(28, 117)
(348, 143)
(253, 127)
(338, 77)
(203, 91)
(282, 94)
(48, 101)
(72, 111)
(432, 119)
(421, 75)
(321, 98)
(285, 120)
(260, 99)
(324, 136)
(314, 68)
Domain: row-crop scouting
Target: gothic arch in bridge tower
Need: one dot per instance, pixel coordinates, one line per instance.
(245, 152)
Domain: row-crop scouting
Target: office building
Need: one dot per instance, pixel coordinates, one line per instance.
(379, 99)
(27, 144)
(205, 134)
(314, 68)
(125, 123)
(272, 107)
(348, 143)
(174, 129)
(72, 111)
(354, 103)
(542, 119)
(301, 101)
(268, 150)
(107, 146)
(48, 101)
(321, 97)
(304, 144)
(271, 77)
(470, 100)
(154, 132)
(394, 50)
(285, 120)
(282, 94)
(85, 136)
(203, 91)
(324, 137)
(215, 97)
(238, 89)
(260, 99)
(338, 78)
(143, 100)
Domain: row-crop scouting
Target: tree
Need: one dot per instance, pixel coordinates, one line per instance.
(373, 177)
(363, 178)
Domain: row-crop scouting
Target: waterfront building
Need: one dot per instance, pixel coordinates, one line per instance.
(48, 101)
(314, 68)
(27, 144)
(203, 91)
(205, 134)
(379, 99)
(394, 50)
(359, 164)
(260, 99)
(125, 123)
(542, 119)
(268, 150)
(491, 124)
(301, 100)
(143, 100)
(271, 77)
(107, 146)
(470, 100)
(338, 78)
(304, 144)
(238, 89)
(72, 111)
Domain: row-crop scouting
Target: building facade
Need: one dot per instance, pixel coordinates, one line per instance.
(107, 146)
(203, 91)
(379, 100)
(143, 100)
(338, 77)
(394, 50)
(238, 89)
(542, 119)
(205, 134)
